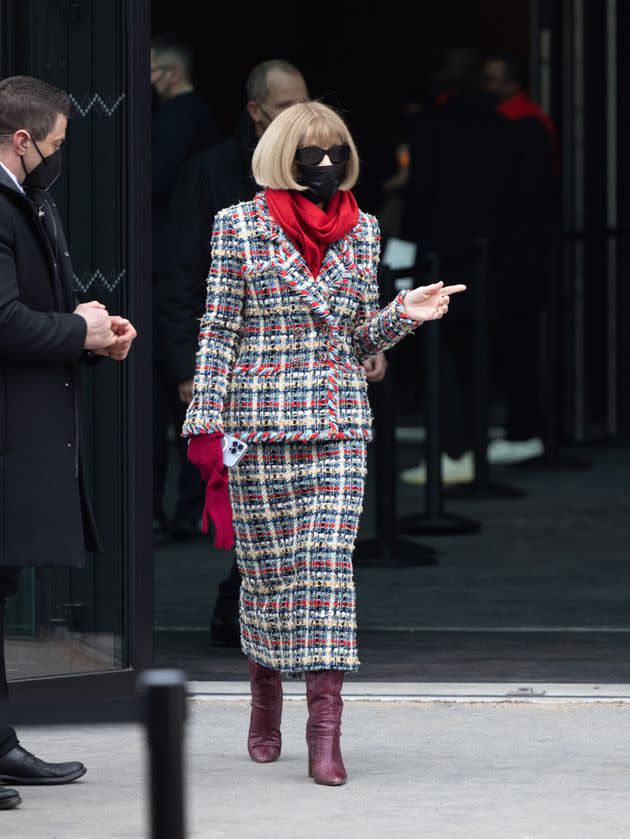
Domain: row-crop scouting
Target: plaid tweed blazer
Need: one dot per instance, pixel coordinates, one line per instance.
(280, 350)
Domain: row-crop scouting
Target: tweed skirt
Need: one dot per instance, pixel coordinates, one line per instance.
(296, 509)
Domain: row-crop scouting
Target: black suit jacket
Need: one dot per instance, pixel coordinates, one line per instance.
(212, 180)
(475, 174)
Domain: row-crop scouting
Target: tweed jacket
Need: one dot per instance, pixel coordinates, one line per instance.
(279, 350)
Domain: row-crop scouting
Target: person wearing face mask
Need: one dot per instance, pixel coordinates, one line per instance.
(292, 309)
(217, 178)
(45, 514)
(182, 125)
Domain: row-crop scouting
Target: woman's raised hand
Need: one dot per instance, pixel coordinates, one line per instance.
(429, 302)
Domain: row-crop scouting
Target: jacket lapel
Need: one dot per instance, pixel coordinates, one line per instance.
(338, 262)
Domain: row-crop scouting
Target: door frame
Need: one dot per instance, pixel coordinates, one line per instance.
(137, 547)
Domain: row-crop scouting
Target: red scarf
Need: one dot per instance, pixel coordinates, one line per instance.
(310, 229)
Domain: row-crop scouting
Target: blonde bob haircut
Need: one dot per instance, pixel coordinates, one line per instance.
(304, 124)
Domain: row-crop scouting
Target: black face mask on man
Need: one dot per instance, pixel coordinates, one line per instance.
(322, 181)
(44, 175)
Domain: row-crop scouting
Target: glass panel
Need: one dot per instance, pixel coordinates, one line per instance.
(541, 591)
(66, 621)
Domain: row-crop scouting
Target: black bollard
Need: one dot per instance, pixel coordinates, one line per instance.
(165, 710)
(434, 521)
(387, 548)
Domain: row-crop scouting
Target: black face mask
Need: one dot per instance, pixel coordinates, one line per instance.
(44, 175)
(322, 181)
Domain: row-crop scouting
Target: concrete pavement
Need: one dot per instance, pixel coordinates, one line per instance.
(490, 770)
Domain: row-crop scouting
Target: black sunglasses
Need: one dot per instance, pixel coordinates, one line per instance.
(313, 155)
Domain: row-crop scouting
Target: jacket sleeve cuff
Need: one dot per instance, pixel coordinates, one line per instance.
(400, 311)
(385, 329)
(77, 334)
(192, 428)
(91, 358)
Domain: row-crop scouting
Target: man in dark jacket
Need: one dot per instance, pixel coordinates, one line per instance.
(504, 76)
(45, 514)
(517, 339)
(474, 176)
(182, 126)
(214, 179)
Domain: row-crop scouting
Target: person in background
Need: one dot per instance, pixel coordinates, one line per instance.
(504, 76)
(216, 178)
(462, 182)
(182, 125)
(46, 518)
(516, 337)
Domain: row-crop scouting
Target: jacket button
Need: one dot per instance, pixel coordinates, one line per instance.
(67, 384)
(69, 445)
(66, 253)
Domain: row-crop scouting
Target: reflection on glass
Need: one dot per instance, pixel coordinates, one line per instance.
(53, 627)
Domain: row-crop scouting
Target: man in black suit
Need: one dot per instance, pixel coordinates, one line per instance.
(476, 175)
(462, 183)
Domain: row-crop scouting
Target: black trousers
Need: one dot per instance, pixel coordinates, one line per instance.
(514, 373)
(515, 363)
(9, 577)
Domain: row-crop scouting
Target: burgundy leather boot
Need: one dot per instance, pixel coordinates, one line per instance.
(323, 729)
(264, 740)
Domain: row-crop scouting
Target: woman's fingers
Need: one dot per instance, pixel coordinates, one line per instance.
(453, 289)
(429, 289)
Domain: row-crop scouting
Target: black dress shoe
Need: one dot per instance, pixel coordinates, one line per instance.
(21, 767)
(9, 798)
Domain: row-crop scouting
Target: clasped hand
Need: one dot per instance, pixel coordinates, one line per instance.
(108, 335)
(429, 302)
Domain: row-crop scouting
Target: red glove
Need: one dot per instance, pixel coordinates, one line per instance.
(206, 452)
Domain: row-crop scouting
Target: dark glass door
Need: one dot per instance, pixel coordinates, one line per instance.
(96, 623)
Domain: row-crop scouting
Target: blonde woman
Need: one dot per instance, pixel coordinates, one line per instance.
(292, 310)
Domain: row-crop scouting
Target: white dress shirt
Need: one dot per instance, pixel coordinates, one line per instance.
(12, 176)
